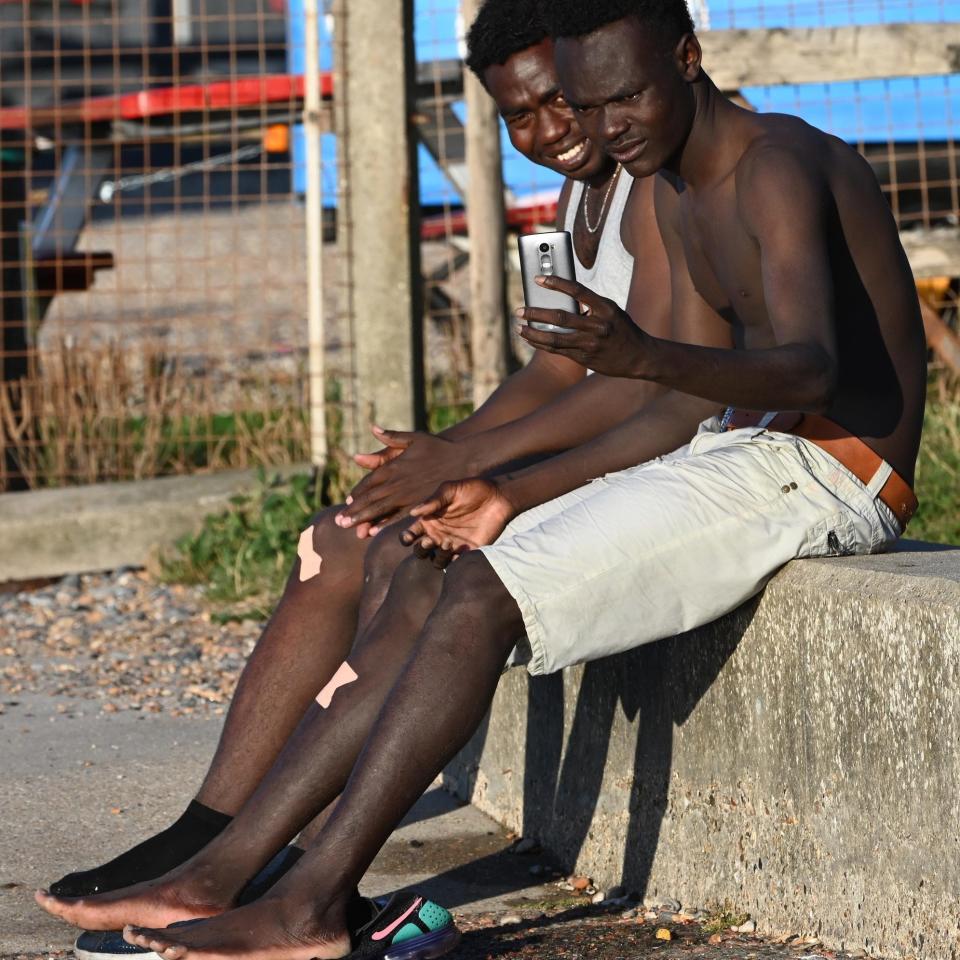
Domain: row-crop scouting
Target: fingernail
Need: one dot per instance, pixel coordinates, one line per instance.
(347, 522)
(349, 500)
(373, 531)
(377, 429)
(540, 279)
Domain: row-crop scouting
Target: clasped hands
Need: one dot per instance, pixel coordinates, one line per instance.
(463, 514)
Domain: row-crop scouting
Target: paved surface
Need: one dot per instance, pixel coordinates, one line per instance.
(81, 786)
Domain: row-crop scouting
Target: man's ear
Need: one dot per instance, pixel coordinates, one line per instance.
(687, 56)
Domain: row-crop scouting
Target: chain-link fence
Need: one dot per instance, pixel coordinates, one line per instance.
(154, 292)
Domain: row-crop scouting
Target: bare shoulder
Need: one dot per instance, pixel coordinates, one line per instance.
(666, 201)
(785, 170)
(638, 214)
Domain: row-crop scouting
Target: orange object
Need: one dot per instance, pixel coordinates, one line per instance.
(276, 138)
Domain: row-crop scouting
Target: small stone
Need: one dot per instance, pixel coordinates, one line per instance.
(749, 927)
(650, 915)
(663, 934)
(564, 885)
(629, 914)
(527, 845)
(508, 918)
(579, 883)
(715, 939)
(598, 897)
(671, 906)
(109, 707)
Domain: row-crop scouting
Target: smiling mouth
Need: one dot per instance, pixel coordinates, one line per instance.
(573, 155)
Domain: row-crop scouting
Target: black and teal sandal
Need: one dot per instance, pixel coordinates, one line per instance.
(405, 927)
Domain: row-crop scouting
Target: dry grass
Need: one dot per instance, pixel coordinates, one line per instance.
(938, 466)
(106, 413)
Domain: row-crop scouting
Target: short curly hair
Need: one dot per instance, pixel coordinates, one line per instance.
(501, 29)
(574, 18)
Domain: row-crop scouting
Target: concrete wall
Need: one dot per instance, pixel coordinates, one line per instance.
(798, 758)
(103, 526)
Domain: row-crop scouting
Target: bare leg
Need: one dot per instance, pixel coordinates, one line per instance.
(434, 707)
(307, 638)
(308, 776)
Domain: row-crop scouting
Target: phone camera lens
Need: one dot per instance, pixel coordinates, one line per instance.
(544, 247)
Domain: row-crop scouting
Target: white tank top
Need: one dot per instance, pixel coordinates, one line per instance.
(613, 267)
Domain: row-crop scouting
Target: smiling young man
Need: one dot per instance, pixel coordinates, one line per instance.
(775, 231)
(547, 407)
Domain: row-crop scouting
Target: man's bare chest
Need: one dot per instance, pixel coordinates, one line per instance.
(723, 260)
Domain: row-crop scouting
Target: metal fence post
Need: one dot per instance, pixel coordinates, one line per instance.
(380, 204)
(314, 224)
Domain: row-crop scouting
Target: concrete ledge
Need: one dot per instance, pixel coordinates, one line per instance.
(798, 758)
(49, 533)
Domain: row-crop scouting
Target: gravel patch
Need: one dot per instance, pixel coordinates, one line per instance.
(123, 641)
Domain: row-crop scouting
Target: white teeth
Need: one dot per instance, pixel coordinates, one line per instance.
(571, 153)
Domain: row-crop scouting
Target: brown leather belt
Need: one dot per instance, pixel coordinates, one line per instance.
(843, 446)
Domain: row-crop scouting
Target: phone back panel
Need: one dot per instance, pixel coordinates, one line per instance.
(557, 260)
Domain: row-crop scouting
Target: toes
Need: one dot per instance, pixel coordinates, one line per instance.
(137, 936)
(173, 953)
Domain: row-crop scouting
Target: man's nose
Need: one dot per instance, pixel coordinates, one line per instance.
(613, 124)
(554, 125)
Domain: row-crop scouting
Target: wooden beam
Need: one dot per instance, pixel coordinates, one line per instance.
(750, 58)
(933, 253)
(486, 223)
(379, 202)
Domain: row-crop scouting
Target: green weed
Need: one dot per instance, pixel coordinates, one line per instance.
(938, 467)
(724, 917)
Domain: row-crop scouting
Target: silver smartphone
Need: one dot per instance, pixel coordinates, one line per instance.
(549, 254)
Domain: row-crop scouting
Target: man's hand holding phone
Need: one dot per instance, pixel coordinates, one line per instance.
(604, 338)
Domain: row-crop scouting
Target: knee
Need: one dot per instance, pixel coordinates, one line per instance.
(474, 597)
(385, 554)
(325, 547)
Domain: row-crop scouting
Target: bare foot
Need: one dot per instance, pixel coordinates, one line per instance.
(155, 903)
(267, 929)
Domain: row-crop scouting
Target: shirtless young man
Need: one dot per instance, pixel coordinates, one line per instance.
(546, 407)
(773, 229)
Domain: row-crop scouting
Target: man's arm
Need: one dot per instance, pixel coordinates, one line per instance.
(597, 403)
(542, 379)
(469, 513)
(784, 206)
(661, 426)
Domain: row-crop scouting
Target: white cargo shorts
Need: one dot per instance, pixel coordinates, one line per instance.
(669, 545)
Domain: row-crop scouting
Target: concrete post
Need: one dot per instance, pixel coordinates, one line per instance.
(379, 211)
(488, 329)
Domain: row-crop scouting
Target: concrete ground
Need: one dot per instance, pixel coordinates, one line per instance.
(80, 786)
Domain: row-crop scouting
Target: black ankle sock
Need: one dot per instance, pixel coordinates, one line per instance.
(155, 856)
